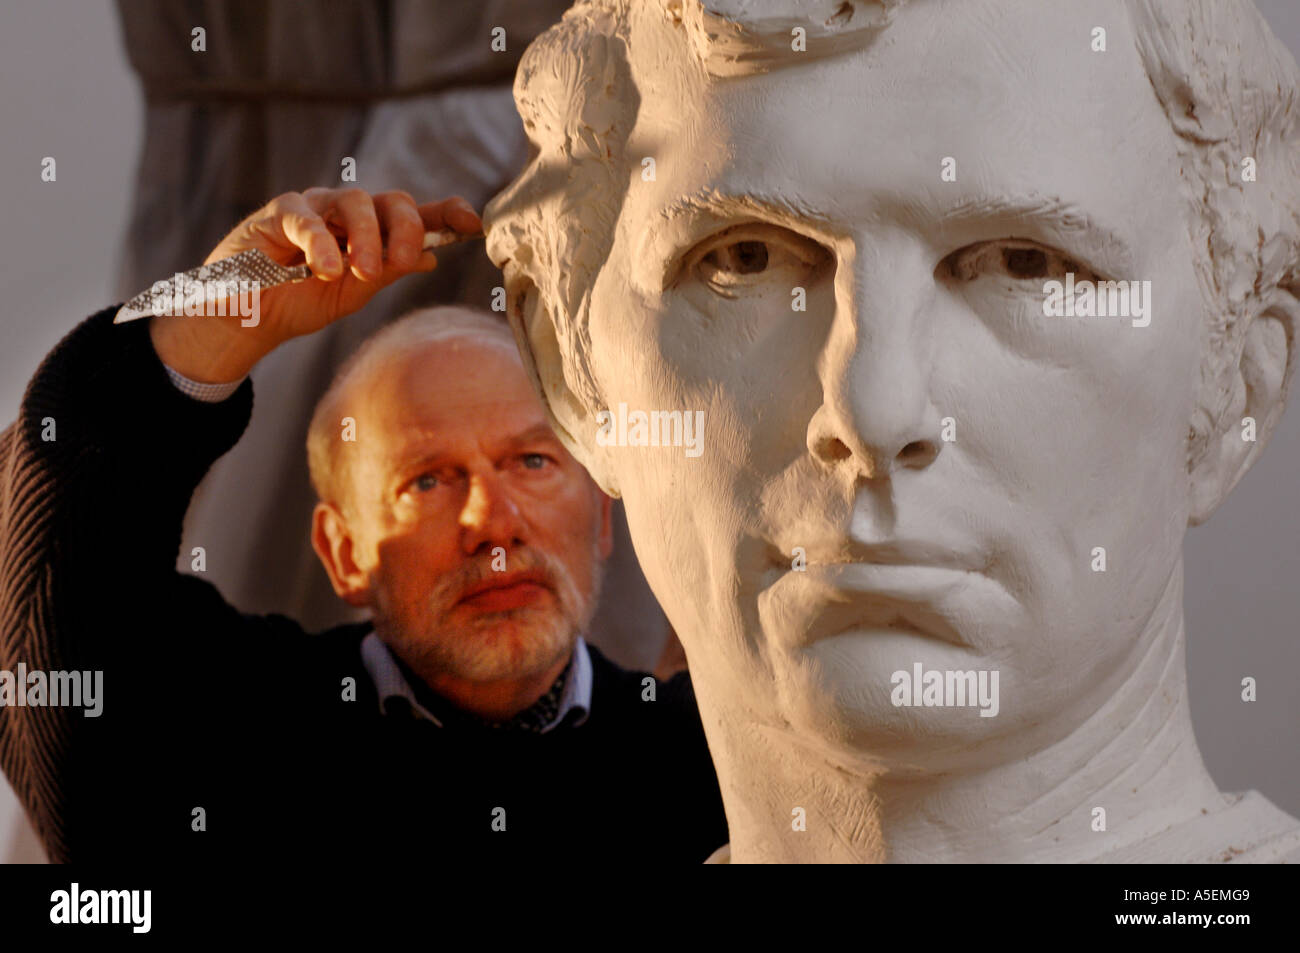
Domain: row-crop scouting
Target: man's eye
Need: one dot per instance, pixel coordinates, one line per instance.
(753, 257)
(534, 461)
(425, 482)
(1015, 259)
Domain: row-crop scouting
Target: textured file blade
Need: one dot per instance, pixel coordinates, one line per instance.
(247, 266)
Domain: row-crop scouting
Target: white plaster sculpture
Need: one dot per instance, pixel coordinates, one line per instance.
(832, 230)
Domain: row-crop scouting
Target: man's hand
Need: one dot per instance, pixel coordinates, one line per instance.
(308, 225)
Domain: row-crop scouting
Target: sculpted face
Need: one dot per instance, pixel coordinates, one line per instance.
(844, 267)
(823, 429)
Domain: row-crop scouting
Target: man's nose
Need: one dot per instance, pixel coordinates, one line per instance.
(876, 412)
(489, 517)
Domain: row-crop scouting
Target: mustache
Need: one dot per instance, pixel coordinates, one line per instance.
(453, 586)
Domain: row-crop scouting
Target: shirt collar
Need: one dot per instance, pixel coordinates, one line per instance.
(390, 683)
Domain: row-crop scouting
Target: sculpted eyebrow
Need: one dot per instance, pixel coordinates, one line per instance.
(1054, 215)
(711, 201)
(1062, 218)
(697, 214)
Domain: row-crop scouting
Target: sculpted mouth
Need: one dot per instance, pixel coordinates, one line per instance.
(901, 553)
(897, 579)
(902, 587)
(892, 597)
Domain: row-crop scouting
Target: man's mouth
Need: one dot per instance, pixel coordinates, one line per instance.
(504, 591)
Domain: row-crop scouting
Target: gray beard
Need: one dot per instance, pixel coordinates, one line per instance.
(515, 643)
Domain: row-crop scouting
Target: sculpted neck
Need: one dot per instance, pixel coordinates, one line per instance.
(1135, 756)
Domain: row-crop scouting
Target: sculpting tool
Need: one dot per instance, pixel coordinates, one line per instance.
(247, 266)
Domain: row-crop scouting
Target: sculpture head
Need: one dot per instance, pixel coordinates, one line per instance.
(949, 460)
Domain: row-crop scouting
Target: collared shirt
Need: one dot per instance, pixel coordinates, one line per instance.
(390, 682)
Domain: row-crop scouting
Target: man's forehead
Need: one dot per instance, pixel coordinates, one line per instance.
(452, 439)
(478, 406)
(447, 371)
(451, 385)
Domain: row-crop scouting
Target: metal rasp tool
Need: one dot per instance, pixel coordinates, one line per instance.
(247, 266)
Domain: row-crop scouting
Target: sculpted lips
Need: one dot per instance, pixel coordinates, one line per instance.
(902, 586)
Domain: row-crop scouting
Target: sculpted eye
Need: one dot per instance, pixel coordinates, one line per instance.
(1023, 261)
(741, 258)
(752, 257)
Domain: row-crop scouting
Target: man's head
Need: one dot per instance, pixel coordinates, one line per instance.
(835, 245)
(448, 506)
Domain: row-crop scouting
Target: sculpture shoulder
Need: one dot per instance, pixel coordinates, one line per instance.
(1248, 829)
(1280, 844)
(1256, 831)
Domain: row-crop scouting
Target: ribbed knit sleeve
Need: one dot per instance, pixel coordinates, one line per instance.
(95, 477)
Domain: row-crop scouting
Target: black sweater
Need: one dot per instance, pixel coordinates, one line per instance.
(245, 716)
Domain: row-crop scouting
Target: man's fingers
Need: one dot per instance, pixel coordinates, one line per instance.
(312, 219)
(353, 212)
(454, 213)
(356, 212)
(302, 226)
(404, 225)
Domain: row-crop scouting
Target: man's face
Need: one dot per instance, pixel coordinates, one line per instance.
(482, 536)
(824, 428)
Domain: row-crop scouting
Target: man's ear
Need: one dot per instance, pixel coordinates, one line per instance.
(1259, 388)
(333, 542)
(539, 348)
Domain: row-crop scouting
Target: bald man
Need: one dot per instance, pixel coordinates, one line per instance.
(467, 719)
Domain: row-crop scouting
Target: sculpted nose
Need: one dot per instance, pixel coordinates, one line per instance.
(876, 411)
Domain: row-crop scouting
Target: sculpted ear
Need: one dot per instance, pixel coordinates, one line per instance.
(573, 422)
(1260, 383)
